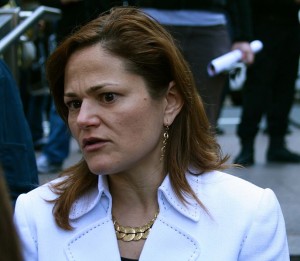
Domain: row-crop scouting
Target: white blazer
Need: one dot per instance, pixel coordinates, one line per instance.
(243, 222)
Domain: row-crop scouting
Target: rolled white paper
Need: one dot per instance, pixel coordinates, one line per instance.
(226, 62)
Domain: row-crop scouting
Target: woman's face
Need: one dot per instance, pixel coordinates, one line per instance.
(111, 115)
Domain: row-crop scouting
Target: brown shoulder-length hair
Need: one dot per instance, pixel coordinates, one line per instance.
(148, 50)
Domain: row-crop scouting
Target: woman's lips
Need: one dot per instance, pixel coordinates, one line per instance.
(93, 144)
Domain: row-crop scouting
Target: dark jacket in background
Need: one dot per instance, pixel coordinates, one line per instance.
(283, 12)
(16, 148)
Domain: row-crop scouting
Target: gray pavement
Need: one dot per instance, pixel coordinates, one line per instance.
(283, 179)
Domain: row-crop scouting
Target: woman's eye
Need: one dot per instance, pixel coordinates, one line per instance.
(108, 97)
(73, 105)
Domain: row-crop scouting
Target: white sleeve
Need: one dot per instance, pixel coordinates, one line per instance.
(24, 230)
(266, 238)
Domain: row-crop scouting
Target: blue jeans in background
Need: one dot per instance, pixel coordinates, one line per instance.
(58, 145)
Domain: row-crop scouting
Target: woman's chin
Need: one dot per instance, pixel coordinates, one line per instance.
(99, 165)
(101, 169)
(97, 170)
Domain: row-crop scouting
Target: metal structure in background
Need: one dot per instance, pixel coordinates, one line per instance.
(9, 20)
(14, 23)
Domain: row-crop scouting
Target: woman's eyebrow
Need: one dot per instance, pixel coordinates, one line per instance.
(94, 89)
(89, 91)
(70, 94)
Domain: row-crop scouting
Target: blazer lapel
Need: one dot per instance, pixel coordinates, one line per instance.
(167, 242)
(96, 242)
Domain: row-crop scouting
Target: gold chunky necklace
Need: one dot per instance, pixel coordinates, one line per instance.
(128, 234)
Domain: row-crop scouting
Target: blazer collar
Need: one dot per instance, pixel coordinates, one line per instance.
(88, 201)
(191, 210)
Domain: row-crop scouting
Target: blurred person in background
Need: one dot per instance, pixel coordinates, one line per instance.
(270, 86)
(205, 30)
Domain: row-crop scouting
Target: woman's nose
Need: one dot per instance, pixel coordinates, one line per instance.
(88, 116)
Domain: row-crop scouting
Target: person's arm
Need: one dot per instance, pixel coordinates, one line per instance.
(241, 23)
(266, 237)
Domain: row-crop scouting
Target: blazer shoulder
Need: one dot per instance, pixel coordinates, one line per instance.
(40, 195)
(222, 180)
(224, 190)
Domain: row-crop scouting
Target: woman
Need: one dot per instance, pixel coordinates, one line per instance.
(148, 186)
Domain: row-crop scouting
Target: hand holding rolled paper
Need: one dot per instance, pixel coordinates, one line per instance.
(226, 62)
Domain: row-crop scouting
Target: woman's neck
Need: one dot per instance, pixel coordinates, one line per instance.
(134, 196)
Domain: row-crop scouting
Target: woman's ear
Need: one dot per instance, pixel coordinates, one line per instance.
(174, 103)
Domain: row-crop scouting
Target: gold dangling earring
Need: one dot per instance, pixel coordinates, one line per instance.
(165, 140)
